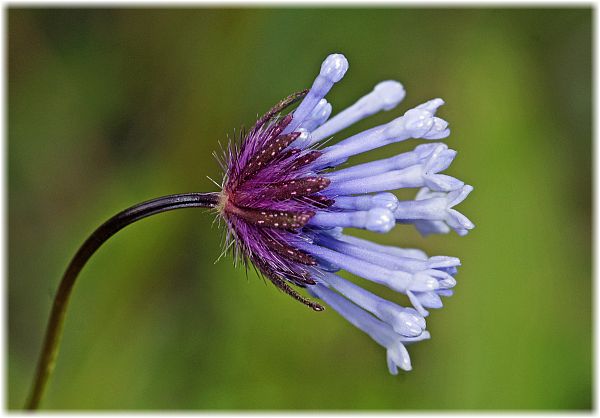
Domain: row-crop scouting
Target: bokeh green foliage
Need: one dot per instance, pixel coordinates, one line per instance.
(107, 108)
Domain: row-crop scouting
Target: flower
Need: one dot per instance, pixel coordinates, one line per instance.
(286, 207)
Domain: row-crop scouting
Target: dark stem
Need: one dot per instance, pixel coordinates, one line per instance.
(55, 325)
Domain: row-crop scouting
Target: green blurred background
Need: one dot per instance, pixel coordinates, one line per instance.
(107, 108)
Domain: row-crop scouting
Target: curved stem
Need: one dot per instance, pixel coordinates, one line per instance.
(130, 215)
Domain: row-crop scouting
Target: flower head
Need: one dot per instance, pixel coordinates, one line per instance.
(286, 206)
